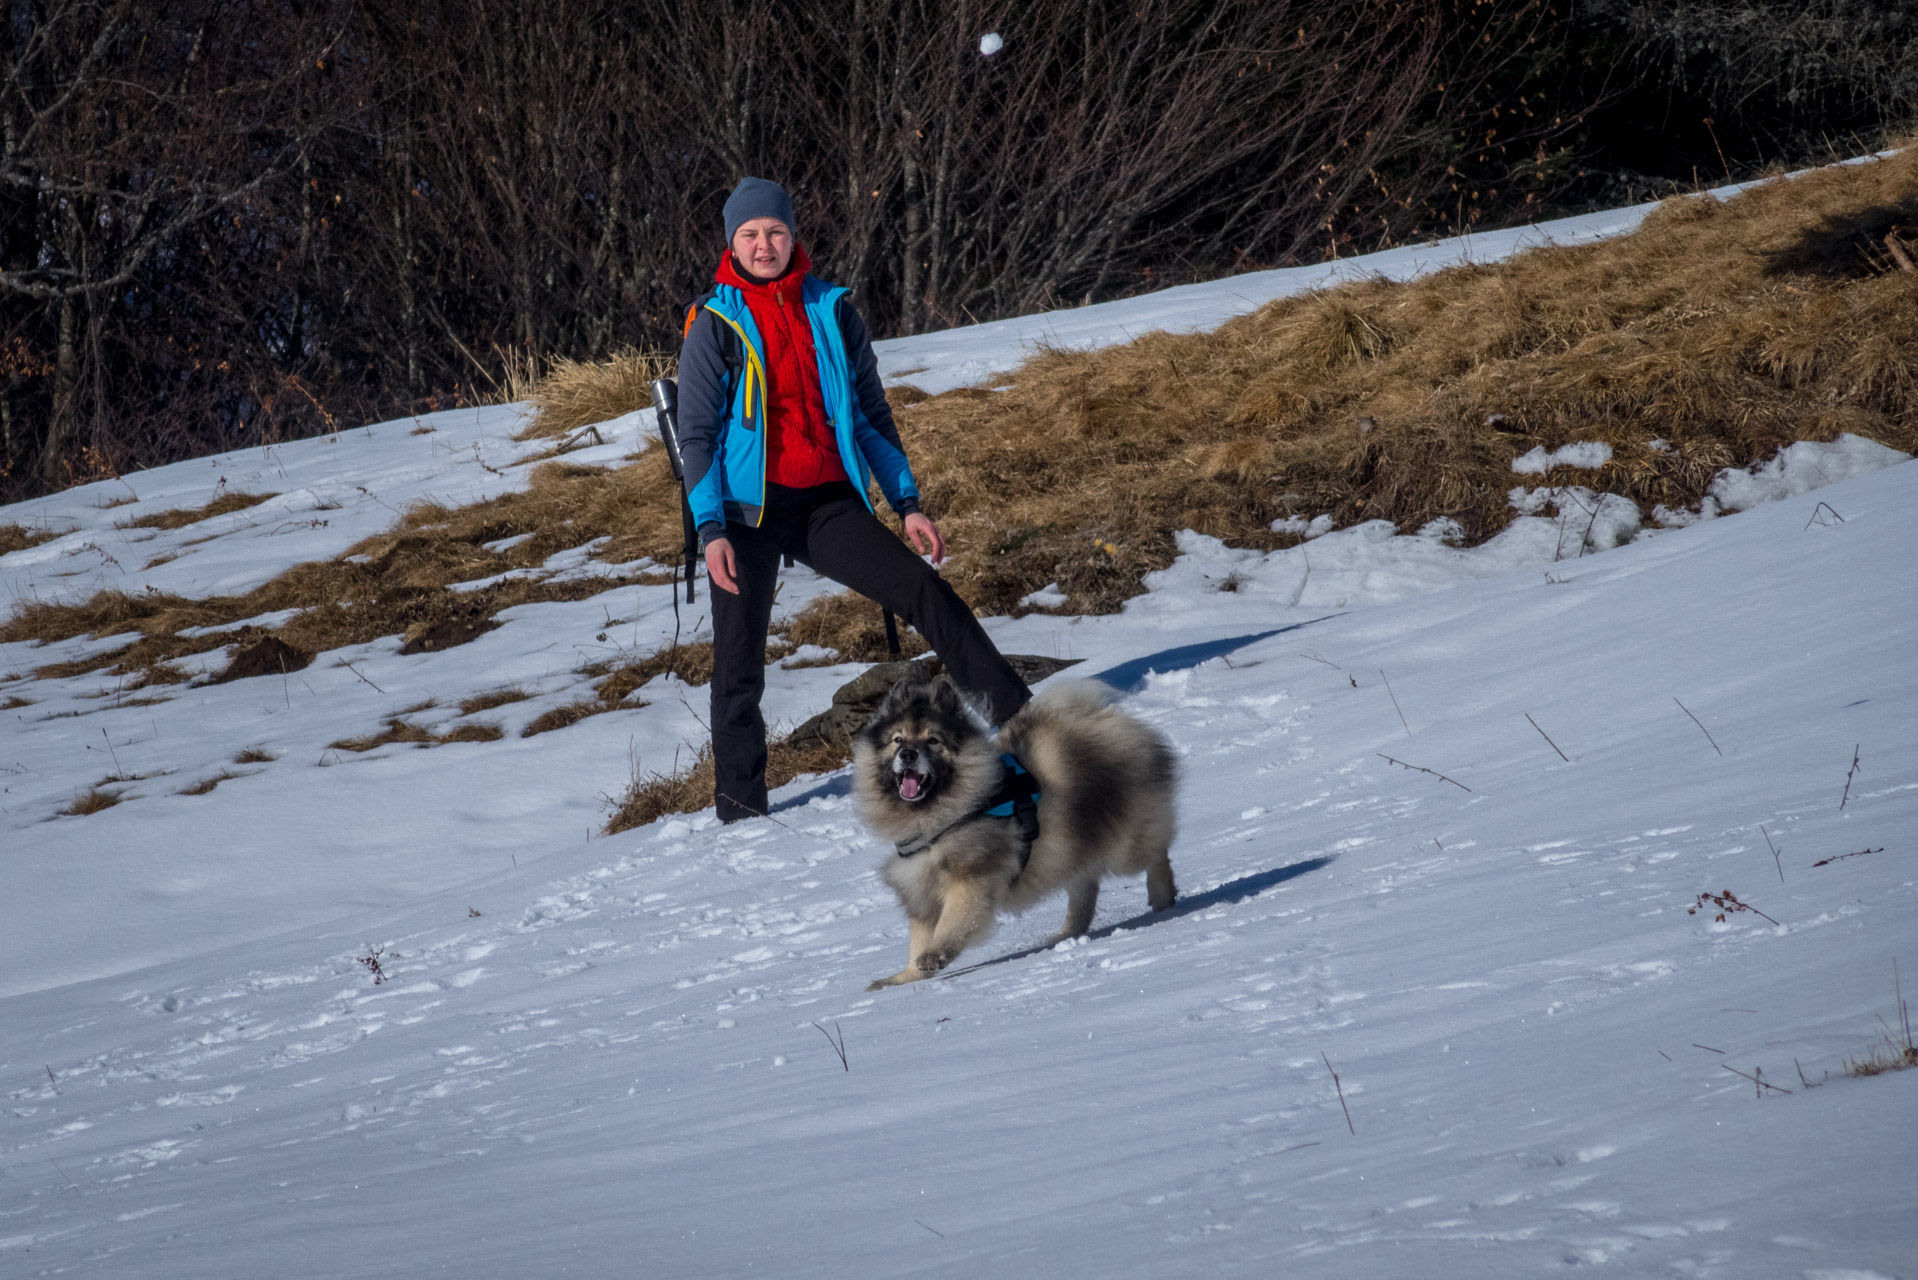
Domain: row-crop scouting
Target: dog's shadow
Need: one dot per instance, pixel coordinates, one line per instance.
(1232, 891)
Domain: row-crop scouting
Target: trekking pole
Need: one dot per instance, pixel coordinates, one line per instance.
(666, 408)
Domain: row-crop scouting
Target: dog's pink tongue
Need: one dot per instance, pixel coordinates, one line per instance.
(909, 786)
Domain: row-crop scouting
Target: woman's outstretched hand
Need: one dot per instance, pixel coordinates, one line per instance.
(924, 535)
(721, 567)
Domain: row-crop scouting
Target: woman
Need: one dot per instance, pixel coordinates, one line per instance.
(783, 423)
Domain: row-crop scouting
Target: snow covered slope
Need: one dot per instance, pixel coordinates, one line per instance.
(612, 1068)
(610, 1056)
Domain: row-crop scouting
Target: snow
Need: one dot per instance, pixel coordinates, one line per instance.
(1800, 468)
(608, 1055)
(1588, 455)
(1317, 527)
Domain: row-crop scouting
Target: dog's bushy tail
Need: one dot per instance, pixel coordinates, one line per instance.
(1074, 696)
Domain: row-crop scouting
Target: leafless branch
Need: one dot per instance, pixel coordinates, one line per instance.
(1841, 857)
(1419, 769)
(838, 1046)
(1548, 738)
(1758, 1079)
(1701, 727)
(1341, 1088)
(1395, 702)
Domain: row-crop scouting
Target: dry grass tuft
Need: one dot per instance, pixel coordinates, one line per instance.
(92, 801)
(569, 714)
(256, 755)
(1896, 1050)
(472, 733)
(205, 785)
(690, 790)
(14, 702)
(17, 537)
(575, 394)
(180, 517)
(160, 673)
(850, 624)
(399, 730)
(487, 701)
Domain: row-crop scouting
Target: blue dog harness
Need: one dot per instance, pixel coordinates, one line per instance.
(1017, 798)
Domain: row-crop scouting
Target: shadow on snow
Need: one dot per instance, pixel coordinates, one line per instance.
(1225, 895)
(1130, 674)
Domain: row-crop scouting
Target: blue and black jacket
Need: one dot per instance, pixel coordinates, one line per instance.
(722, 406)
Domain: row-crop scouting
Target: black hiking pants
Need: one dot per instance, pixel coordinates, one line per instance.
(828, 529)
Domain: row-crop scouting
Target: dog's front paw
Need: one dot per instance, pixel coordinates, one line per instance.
(908, 974)
(934, 961)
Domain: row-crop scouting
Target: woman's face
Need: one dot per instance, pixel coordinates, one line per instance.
(764, 247)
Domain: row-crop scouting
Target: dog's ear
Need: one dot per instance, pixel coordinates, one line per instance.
(898, 698)
(945, 697)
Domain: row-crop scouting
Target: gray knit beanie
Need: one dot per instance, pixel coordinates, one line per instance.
(758, 198)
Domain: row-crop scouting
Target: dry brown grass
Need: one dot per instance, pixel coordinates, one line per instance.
(256, 755)
(689, 790)
(400, 730)
(487, 701)
(1886, 1056)
(850, 624)
(692, 663)
(180, 517)
(574, 394)
(206, 785)
(570, 713)
(92, 800)
(1728, 330)
(1896, 1049)
(17, 537)
(14, 702)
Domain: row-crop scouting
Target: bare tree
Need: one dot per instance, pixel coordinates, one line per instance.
(119, 131)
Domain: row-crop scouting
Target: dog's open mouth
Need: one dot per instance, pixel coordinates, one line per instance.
(912, 783)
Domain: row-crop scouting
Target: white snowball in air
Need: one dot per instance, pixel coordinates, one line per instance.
(990, 43)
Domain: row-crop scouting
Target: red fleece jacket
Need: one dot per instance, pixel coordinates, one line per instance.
(800, 449)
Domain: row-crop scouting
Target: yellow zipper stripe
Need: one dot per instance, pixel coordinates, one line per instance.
(753, 367)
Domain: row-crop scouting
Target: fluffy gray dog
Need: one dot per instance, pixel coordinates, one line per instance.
(926, 774)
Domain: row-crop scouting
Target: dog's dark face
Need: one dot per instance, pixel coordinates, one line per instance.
(916, 738)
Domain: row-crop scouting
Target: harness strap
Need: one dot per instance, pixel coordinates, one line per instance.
(1017, 798)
